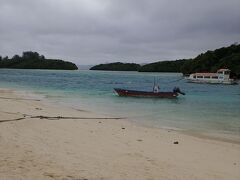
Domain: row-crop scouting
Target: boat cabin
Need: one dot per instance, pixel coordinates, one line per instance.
(221, 76)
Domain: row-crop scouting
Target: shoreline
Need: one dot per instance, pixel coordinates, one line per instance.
(225, 137)
(94, 146)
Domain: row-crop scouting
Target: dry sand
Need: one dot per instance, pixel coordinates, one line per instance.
(91, 148)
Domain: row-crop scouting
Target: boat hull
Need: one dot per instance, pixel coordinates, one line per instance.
(210, 81)
(147, 94)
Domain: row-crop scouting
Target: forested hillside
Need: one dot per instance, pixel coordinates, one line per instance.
(226, 57)
(210, 61)
(163, 66)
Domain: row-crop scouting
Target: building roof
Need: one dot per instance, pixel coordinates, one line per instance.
(223, 70)
(205, 74)
(210, 74)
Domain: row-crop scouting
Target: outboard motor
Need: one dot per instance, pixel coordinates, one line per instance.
(177, 90)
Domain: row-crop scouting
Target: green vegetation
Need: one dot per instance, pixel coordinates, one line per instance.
(32, 60)
(226, 57)
(163, 66)
(211, 61)
(118, 66)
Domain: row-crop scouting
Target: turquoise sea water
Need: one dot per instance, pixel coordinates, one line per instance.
(205, 108)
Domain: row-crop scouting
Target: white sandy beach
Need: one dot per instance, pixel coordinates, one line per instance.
(90, 147)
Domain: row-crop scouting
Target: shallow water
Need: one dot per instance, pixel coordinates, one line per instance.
(205, 108)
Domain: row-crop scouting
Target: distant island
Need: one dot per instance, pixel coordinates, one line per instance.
(210, 61)
(118, 66)
(32, 60)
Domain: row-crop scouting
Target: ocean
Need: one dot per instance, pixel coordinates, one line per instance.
(204, 109)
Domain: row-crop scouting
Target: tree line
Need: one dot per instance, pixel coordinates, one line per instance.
(210, 61)
(118, 66)
(32, 60)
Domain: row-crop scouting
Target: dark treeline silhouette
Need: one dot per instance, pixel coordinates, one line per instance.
(32, 60)
(210, 61)
(118, 66)
(163, 66)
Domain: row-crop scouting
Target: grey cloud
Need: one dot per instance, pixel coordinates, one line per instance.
(96, 31)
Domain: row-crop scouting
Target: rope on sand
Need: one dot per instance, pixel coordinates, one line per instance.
(63, 117)
(9, 120)
(19, 99)
(54, 118)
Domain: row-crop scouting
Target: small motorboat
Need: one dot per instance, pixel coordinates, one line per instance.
(150, 94)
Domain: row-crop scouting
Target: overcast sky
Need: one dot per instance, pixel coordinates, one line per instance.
(100, 31)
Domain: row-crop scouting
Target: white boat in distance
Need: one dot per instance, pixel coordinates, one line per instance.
(222, 76)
